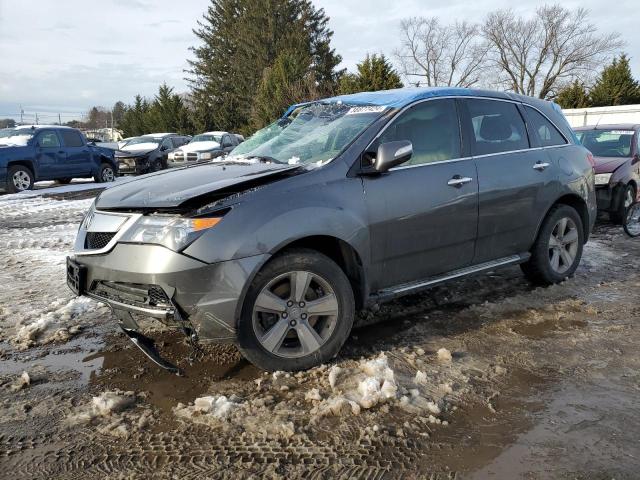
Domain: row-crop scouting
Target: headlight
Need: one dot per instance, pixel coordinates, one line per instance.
(206, 156)
(603, 178)
(170, 156)
(172, 232)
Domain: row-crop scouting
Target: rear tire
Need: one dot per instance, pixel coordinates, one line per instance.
(557, 251)
(628, 198)
(19, 179)
(297, 313)
(105, 174)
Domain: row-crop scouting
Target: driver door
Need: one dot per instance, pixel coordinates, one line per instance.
(423, 214)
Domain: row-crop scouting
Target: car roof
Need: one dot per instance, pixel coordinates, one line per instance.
(400, 97)
(610, 126)
(158, 134)
(213, 133)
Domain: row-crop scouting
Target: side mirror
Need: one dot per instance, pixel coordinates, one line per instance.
(391, 154)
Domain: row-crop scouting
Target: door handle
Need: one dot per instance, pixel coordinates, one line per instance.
(540, 166)
(458, 181)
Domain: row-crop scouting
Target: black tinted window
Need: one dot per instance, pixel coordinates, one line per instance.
(48, 140)
(432, 128)
(544, 131)
(497, 127)
(71, 138)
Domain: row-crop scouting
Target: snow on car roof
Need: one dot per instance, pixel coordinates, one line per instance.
(213, 133)
(25, 127)
(157, 134)
(400, 97)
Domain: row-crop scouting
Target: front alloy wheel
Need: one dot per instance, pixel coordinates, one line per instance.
(108, 175)
(295, 314)
(563, 245)
(21, 180)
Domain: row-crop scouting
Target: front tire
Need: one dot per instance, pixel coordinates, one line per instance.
(628, 198)
(557, 251)
(105, 174)
(19, 179)
(297, 313)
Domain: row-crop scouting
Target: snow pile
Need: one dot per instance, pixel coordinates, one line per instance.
(370, 383)
(206, 409)
(62, 311)
(444, 355)
(112, 413)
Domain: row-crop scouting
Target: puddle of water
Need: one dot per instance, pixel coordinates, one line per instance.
(57, 358)
(548, 327)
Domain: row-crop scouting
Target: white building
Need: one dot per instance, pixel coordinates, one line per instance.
(580, 117)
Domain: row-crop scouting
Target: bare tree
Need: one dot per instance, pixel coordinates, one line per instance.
(538, 56)
(433, 54)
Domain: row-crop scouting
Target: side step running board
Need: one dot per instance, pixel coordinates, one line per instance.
(148, 347)
(404, 289)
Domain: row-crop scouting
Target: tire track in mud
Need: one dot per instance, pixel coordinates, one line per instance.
(187, 456)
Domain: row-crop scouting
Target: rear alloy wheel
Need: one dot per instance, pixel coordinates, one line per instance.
(628, 198)
(557, 251)
(105, 174)
(19, 179)
(298, 312)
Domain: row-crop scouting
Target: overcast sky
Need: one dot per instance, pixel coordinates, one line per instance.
(68, 55)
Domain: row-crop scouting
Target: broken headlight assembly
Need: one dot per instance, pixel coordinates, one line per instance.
(175, 233)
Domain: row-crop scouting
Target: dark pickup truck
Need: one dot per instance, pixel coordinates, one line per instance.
(41, 152)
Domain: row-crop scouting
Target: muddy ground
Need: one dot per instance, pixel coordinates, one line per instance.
(486, 377)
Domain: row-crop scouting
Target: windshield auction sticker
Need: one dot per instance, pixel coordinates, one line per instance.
(621, 132)
(365, 109)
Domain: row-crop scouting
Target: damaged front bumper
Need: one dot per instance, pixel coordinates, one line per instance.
(152, 281)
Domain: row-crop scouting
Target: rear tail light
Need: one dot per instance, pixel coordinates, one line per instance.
(591, 160)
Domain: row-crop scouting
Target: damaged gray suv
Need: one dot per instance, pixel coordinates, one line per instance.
(341, 204)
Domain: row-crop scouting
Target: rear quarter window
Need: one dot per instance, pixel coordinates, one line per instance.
(545, 133)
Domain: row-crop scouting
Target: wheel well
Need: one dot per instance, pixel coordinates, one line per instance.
(24, 163)
(580, 206)
(343, 254)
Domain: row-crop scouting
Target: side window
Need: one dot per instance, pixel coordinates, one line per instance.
(226, 141)
(71, 138)
(497, 127)
(433, 129)
(545, 132)
(48, 140)
(166, 143)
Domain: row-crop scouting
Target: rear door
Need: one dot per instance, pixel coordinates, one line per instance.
(517, 180)
(50, 156)
(79, 159)
(423, 214)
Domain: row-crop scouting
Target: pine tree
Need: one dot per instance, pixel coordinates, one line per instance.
(241, 40)
(574, 95)
(375, 72)
(118, 112)
(134, 121)
(167, 112)
(616, 85)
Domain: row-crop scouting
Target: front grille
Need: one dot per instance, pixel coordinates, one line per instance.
(135, 294)
(192, 156)
(97, 240)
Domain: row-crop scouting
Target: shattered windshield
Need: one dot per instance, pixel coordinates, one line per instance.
(16, 136)
(314, 133)
(607, 143)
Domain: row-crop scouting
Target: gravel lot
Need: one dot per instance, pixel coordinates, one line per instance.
(483, 378)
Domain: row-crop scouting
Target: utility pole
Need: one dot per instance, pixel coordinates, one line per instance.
(21, 114)
(36, 118)
(59, 121)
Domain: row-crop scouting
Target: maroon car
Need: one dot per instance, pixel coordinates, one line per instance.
(616, 152)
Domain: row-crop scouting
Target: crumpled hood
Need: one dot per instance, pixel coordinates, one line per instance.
(172, 188)
(200, 146)
(609, 164)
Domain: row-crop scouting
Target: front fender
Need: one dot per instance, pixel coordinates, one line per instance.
(268, 222)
